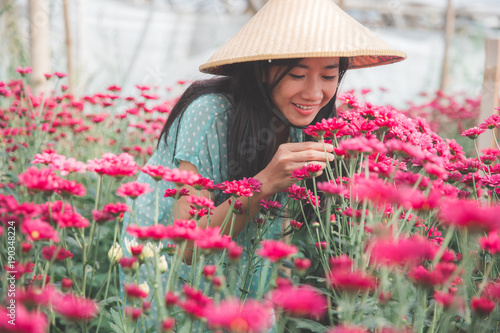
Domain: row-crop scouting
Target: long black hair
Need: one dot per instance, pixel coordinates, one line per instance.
(251, 133)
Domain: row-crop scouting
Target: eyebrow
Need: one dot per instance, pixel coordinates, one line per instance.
(333, 66)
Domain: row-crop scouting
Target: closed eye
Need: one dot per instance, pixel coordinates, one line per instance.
(330, 78)
(296, 77)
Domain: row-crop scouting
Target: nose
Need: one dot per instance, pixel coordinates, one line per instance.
(312, 90)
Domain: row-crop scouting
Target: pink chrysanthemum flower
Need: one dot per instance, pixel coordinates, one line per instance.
(301, 301)
(66, 188)
(155, 171)
(181, 177)
(36, 230)
(65, 166)
(134, 291)
(482, 306)
(62, 214)
(492, 291)
(401, 252)
(307, 171)
(32, 322)
(46, 157)
(174, 193)
(116, 209)
(491, 122)
(58, 253)
(332, 188)
(212, 239)
(233, 316)
(296, 192)
(75, 308)
(201, 202)
(154, 232)
(119, 166)
(39, 180)
(269, 204)
(469, 214)
(276, 250)
(182, 230)
(473, 133)
(351, 281)
(101, 216)
(133, 190)
(490, 243)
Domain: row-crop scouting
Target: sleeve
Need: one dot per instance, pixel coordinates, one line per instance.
(202, 136)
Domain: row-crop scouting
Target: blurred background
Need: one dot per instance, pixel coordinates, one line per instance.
(161, 42)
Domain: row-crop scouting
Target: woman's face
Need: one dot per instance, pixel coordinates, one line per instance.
(303, 91)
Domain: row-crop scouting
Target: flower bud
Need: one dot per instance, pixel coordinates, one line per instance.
(148, 251)
(66, 284)
(163, 264)
(170, 249)
(144, 287)
(315, 225)
(115, 253)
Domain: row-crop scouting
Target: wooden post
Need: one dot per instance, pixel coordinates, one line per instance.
(69, 51)
(489, 94)
(449, 32)
(39, 19)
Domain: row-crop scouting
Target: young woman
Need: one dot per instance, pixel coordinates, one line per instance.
(278, 75)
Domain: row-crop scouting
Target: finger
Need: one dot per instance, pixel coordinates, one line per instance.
(309, 145)
(311, 156)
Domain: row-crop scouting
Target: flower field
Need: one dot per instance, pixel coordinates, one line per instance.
(401, 233)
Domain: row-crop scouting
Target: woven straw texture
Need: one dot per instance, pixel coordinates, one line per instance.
(302, 29)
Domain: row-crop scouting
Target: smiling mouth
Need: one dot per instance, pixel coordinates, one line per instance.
(304, 107)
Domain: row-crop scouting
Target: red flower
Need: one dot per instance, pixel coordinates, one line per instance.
(26, 322)
(119, 166)
(132, 313)
(116, 209)
(422, 277)
(470, 215)
(65, 216)
(128, 263)
(101, 216)
(39, 230)
(167, 324)
(75, 308)
(134, 291)
(301, 301)
(492, 291)
(195, 302)
(269, 204)
(401, 252)
(473, 133)
(58, 253)
(296, 192)
(204, 184)
(154, 232)
(482, 306)
(181, 177)
(296, 225)
(233, 316)
(174, 193)
(307, 171)
(241, 188)
(133, 190)
(234, 251)
(155, 171)
(19, 269)
(201, 202)
(43, 180)
(60, 74)
(24, 71)
(302, 264)
(210, 238)
(182, 230)
(491, 243)
(351, 280)
(67, 165)
(332, 188)
(67, 188)
(276, 250)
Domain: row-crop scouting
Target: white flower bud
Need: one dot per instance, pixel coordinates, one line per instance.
(148, 250)
(144, 287)
(115, 253)
(163, 264)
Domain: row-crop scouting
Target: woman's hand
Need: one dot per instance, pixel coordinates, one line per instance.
(277, 175)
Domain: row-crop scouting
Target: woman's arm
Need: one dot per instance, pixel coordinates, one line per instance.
(275, 177)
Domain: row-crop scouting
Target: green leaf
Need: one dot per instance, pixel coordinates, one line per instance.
(311, 325)
(110, 300)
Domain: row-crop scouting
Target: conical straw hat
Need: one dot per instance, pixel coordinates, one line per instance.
(302, 29)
